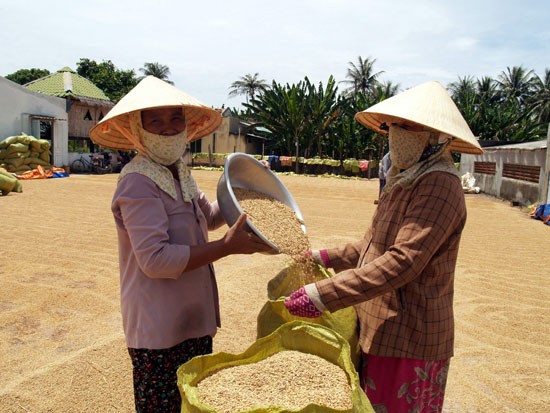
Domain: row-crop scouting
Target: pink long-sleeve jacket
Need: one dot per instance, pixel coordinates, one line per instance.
(161, 303)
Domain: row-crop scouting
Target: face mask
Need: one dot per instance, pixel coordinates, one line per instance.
(165, 150)
(406, 147)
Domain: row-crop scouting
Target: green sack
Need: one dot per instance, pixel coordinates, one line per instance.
(45, 156)
(23, 138)
(274, 313)
(18, 186)
(44, 145)
(7, 182)
(18, 147)
(35, 145)
(298, 336)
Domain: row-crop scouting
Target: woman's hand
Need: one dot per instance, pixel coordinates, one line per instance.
(300, 304)
(239, 240)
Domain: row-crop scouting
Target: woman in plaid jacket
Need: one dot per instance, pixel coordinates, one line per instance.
(400, 275)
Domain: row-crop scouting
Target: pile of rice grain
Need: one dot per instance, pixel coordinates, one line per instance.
(289, 379)
(275, 220)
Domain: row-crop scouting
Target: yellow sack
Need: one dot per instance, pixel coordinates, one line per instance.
(44, 145)
(274, 313)
(23, 138)
(36, 161)
(298, 336)
(17, 147)
(35, 145)
(45, 156)
(7, 182)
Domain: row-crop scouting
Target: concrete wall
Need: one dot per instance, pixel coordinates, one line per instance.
(17, 107)
(224, 141)
(516, 190)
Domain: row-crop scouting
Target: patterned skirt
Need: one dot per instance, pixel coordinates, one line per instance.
(400, 385)
(155, 374)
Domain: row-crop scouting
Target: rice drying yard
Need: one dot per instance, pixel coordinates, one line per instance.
(61, 335)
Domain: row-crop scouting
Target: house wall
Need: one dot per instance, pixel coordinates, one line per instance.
(516, 190)
(18, 104)
(224, 142)
(80, 127)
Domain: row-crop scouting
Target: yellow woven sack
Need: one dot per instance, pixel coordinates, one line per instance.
(18, 186)
(35, 145)
(298, 336)
(274, 313)
(18, 147)
(44, 145)
(45, 156)
(7, 182)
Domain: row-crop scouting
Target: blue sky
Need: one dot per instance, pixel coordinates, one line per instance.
(209, 44)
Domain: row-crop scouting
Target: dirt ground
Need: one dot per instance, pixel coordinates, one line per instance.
(61, 338)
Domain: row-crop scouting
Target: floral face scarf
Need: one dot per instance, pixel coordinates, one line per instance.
(158, 152)
(406, 146)
(416, 154)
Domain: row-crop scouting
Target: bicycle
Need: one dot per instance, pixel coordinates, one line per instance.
(95, 165)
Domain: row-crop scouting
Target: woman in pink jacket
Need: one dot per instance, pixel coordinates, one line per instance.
(400, 275)
(169, 297)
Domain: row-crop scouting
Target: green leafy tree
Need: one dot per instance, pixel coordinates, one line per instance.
(115, 83)
(282, 110)
(24, 76)
(156, 69)
(248, 85)
(498, 109)
(322, 111)
(516, 83)
(540, 99)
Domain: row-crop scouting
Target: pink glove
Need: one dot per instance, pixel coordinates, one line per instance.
(299, 304)
(319, 256)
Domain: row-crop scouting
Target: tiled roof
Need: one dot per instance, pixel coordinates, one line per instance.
(65, 83)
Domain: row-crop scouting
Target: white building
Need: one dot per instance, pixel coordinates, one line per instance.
(22, 110)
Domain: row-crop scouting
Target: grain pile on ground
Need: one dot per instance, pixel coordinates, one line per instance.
(61, 334)
(289, 379)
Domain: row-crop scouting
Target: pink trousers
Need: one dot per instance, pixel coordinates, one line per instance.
(400, 385)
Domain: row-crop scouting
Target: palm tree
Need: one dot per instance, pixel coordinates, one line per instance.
(248, 85)
(156, 69)
(540, 103)
(516, 83)
(361, 76)
(384, 90)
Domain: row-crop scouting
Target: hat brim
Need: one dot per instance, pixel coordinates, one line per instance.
(428, 105)
(151, 93)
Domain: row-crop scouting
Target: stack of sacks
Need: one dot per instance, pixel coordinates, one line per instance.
(23, 153)
(9, 183)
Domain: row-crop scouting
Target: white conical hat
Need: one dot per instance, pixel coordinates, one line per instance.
(150, 93)
(427, 104)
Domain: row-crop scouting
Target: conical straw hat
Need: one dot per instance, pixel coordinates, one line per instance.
(427, 104)
(150, 93)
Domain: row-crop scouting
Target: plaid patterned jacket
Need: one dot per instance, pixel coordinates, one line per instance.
(400, 276)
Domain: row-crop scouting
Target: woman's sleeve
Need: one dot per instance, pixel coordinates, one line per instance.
(436, 211)
(211, 211)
